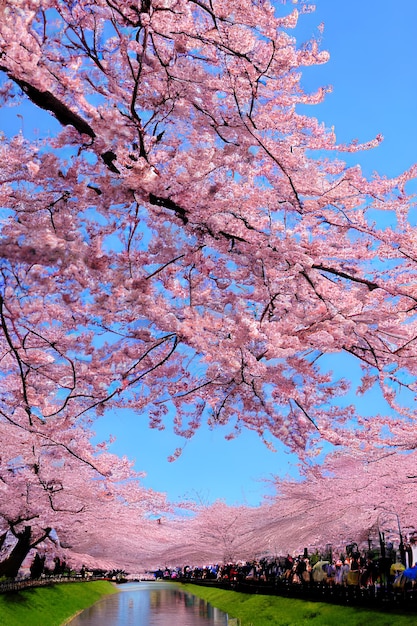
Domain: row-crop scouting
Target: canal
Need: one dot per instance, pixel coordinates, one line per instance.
(151, 604)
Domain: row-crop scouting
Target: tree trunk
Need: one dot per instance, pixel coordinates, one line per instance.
(3, 539)
(25, 542)
(11, 565)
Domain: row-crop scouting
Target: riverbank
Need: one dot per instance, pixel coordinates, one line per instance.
(50, 606)
(57, 604)
(260, 610)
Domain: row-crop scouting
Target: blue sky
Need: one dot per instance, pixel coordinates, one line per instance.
(373, 71)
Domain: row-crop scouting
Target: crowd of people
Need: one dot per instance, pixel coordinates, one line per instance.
(355, 576)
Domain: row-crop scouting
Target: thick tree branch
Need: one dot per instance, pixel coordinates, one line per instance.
(371, 285)
(48, 102)
(167, 203)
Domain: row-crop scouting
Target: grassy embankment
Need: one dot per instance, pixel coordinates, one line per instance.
(258, 610)
(55, 605)
(50, 606)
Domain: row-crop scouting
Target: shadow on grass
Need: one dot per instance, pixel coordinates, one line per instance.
(25, 596)
(16, 597)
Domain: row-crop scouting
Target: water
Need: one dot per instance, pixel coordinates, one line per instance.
(151, 604)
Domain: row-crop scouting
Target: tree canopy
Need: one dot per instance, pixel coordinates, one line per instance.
(187, 243)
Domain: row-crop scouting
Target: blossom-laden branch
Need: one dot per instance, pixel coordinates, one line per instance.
(174, 248)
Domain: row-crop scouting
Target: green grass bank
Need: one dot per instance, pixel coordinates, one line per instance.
(258, 610)
(50, 606)
(55, 605)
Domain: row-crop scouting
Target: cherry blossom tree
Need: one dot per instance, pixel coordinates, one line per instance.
(175, 248)
(214, 533)
(350, 498)
(54, 495)
(129, 526)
